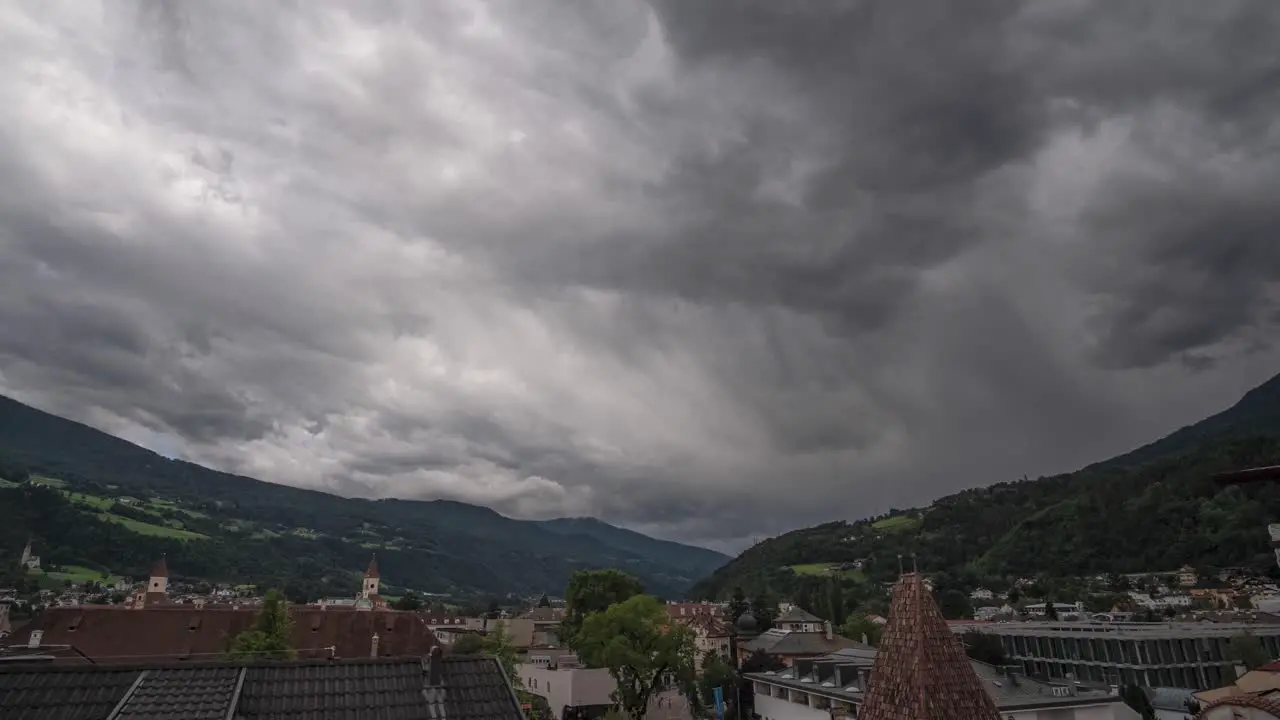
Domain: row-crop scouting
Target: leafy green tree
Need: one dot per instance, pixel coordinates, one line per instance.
(764, 606)
(408, 602)
(1137, 700)
(716, 673)
(984, 647)
(593, 591)
(469, 644)
(738, 605)
(835, 602)
(501, 646)
(640, 646)
(858, 626)
(1247, 650)
(272, 633)
(1050, 612)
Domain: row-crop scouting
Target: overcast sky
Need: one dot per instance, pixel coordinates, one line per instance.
(712, 270)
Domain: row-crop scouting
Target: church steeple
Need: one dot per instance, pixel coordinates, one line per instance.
(371, 579)
(921, 670)
(159, 582)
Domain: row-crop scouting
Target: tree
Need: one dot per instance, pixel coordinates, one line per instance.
(738, 605)
(835, 600)
(408, 602)
(469, 644)
(272, 633)
(1050, 612)
(984, 648)
(859, 627)
(1247, 650)
(716, 673)
(493, 610)
(1138, 701)
(593, 591)
(764, 606)
(640, 645)
(501, 646)
(954, 604)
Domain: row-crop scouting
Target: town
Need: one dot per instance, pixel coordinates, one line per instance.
(1158, 644)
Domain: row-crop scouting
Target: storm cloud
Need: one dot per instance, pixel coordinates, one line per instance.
(711, 270)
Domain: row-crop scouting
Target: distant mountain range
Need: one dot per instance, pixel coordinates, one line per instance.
(1152, 509)
(102, 503)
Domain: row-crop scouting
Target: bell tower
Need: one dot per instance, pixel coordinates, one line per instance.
(371, 579)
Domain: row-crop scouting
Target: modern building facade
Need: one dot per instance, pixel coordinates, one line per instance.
(1174, 655)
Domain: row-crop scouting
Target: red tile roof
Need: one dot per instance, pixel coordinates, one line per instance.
(1257, 702)
(921, 671)
(175, 632)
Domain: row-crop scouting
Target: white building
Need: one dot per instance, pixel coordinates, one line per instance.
(982, 594)
(1062, 609)
(835, 686)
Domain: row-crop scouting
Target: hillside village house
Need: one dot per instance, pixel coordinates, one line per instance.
(153, 630)
(789, 646)
(920, 672)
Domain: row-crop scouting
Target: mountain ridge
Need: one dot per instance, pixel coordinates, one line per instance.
(437, 545)
(1152, 508)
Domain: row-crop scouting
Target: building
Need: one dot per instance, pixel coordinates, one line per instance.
(1187, 576)
(710, 635)
(29, 561)
(401, 687)
(920, 672)
(797, 619)
(1244, 707)
(566, 686)
(573, 691)
(149, 628)
(982, 594)
(1061, 609)
(1172, 703)
(789, 646)
(1179, 655)
(369, 598)
(685, 610)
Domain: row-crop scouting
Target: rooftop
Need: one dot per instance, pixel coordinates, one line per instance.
(1121, 629)
(405, 688)
(114, 635)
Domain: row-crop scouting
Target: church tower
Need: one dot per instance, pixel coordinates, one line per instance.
(158, 585)
(371, 580)
(26, 554)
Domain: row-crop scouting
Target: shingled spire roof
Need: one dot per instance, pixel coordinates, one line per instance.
(161, 568)
(372, 572)
(921, 671)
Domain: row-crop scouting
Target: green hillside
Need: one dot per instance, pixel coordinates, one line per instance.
(97, 501)
(1153, 509)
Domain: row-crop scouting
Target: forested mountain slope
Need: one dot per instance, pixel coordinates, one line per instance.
(117, 506)
(1153, 509)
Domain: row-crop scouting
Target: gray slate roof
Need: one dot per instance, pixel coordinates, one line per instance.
(403, 688)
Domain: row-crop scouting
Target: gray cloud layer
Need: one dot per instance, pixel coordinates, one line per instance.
(709, 269)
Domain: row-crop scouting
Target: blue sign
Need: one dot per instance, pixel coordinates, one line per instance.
(719, 694)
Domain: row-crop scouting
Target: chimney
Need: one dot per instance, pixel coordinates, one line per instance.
(827, 627)
(373, 646)
(33, 642)
(434, 670)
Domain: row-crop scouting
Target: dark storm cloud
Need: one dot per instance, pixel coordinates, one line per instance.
(712, 270)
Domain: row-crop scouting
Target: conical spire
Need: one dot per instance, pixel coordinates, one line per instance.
(161, 570)
(372, 572)
(921, 671)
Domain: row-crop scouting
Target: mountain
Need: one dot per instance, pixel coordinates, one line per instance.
(1152, 509)
(673, 554)
(99, 502)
